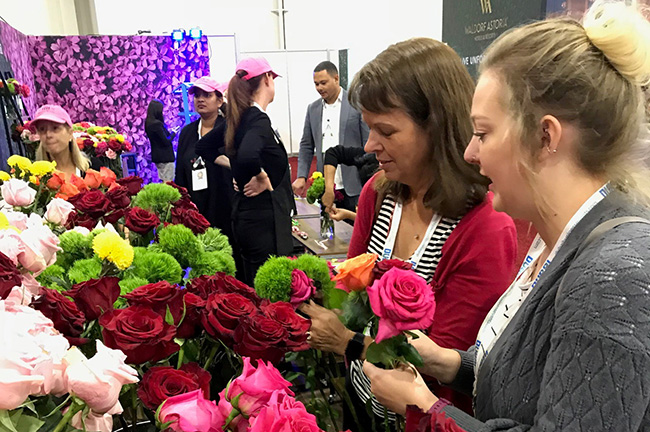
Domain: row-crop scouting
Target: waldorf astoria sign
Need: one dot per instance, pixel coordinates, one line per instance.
(469, 26)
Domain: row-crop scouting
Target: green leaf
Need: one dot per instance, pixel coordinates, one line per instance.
(356, 312)
(335, 298)
(411, 355)
(5, 422)
(28, 423)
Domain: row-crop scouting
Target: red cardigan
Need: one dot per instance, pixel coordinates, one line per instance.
(476, 267)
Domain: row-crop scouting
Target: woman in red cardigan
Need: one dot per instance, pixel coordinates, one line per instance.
(426, 206)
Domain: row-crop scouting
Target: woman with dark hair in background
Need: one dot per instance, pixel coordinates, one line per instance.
(203, 179)
(261, 207)
(162, 152)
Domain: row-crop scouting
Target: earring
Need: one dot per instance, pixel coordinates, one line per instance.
(549, 150)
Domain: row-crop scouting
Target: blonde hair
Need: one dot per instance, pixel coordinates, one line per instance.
(589, 75)
(79, 159)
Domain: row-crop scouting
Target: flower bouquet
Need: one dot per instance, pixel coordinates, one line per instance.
(27, 135)
(15, 88)
(315, 193)
(102, 142)
(389, 299)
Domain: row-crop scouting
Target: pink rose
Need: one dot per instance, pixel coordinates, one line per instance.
(26, 292)
(111, 154)
(403, 301)
(16, 219)
(302, 288)
(286, 416)
(93, 422)
(191, 412)
(58, 211)
(255, 387)
(12, 244)
(31, 362)
(43, 243)
(98, 381)
(17, 192)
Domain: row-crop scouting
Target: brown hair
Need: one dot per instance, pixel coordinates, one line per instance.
(587, 75)
(427, 80)
(240, 98)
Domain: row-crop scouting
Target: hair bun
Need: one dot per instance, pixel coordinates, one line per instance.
(623, 35)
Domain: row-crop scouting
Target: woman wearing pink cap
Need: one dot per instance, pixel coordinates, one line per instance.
(202, 178)
(261, 215)
(54, 126)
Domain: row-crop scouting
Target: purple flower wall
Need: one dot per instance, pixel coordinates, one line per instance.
(110, 80)
(17, 49)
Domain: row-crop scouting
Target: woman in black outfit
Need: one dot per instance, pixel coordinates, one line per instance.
(162, 152)
(262, 206)
(212, 197)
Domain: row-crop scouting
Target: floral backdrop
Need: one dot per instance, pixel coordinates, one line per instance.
(110, 80)
(16, 48)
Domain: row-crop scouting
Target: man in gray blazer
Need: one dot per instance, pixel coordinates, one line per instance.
(331, 121)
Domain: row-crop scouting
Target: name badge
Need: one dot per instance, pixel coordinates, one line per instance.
(199, 175)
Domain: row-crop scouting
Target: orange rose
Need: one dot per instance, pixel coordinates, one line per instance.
(78, 182)
(356, 273)
(56, 181)
(108, 176)
(93, 179)
(67, 190)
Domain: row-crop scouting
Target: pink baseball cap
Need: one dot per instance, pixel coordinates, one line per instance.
(53, 113)
(255, 66)
(208, 84)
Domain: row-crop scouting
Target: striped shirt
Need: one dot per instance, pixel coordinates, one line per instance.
(425, 268)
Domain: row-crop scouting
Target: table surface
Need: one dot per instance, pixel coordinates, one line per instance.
(308, 218)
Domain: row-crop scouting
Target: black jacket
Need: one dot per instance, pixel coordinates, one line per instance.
(162, 150)
(214, 202)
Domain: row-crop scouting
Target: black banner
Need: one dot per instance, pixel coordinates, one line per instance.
(470, 26)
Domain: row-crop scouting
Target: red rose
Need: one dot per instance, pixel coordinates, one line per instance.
(9, 276)
(162, 382)
(191, 325)
(140, 333)
(295, 325)
(96, 296)
(383, 266)
(63, 312)
(181, 189)
(228, 284)
(92, 202)
(191, 219)
(158, 297)
(141, 221)
(114, 216)
(223, 314)
(185, 203)
(132, 183)
(202, 286)
(260, 337)
(115, 145)
(119, 197)
(84, 220)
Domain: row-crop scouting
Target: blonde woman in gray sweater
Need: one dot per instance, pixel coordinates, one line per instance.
(559, 118)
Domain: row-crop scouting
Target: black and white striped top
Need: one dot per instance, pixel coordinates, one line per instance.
(425, 268)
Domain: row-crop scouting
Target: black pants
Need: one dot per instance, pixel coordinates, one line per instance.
(255, 236)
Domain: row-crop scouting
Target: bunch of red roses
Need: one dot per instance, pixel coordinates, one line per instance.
(185, 212)
(244, 322)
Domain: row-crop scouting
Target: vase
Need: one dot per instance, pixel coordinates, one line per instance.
(326, 225)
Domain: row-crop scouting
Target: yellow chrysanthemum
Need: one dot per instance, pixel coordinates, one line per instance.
(20, 161)
(316, 175)
(41, 168)
(4, 176)
(4, 222)
(110, 246)
(120, 138)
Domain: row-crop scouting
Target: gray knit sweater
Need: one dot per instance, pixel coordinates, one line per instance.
(577, 360)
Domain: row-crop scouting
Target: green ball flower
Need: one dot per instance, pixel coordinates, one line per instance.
(317, 269)
(76, 246)
(155, 267)
(53, 271)
(85, 269)
(209, 263)
(273, 279)
(214, 240)
(126, 286)
(156, 197)
(181, 243)
(316, 190)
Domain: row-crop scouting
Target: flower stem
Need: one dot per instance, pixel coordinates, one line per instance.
(74, 409)
(213, 353)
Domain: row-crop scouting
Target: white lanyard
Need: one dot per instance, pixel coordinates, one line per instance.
(199, 130)
(497, 319)
(392, 235)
